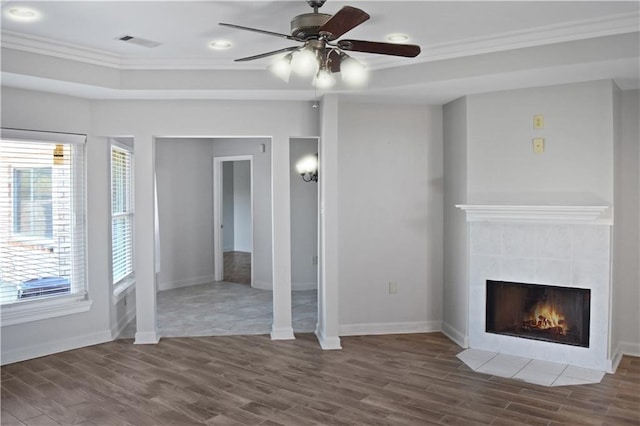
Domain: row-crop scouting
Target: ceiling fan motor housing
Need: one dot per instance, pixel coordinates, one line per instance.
(306, 26)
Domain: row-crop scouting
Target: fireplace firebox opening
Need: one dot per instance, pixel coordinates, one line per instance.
(541, 312)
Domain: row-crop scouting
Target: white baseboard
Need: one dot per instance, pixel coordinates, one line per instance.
(630, 348)
(304, 286)
(51, 347)
(624, 348)
(456, 336)
(328, 343)
(170, 285)
(389, 328)
(282, 334)
(262, 285)
(147, 338)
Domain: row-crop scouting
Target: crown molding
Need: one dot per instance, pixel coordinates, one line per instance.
(548, 34)
(44, 46)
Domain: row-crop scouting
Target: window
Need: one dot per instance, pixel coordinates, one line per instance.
(121, 214)
(42, 218)
(32, 201)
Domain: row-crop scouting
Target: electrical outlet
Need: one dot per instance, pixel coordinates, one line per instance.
(314, 260)
(538, 145)
(393, 287)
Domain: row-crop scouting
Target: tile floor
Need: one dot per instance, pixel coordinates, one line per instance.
(528, 370)
(223, 308)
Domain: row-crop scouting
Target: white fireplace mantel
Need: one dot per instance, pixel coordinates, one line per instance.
(566, 246)
(594, 215)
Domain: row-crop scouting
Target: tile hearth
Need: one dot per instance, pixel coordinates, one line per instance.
(528, 370)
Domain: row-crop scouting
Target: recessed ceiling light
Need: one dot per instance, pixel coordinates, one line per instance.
(397, 38)
(22, 14)
(220, 44)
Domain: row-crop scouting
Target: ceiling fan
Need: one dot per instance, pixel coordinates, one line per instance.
(322, 53)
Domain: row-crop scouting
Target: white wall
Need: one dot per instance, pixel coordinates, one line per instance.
(455, 288)
(242, 222)
(389, 218)
(184, 170)
(227, 206)
(42, 111)
(141, 120)
(304, 219)
(577, 165)
(146, 120)
(626, 231)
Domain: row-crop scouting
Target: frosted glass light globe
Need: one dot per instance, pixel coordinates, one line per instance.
(324, 80)
(282, 68)
(353, 72)
(304, 63)
(308, 164)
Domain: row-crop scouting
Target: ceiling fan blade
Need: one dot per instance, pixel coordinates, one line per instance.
(255, 30)
(393, 49)
(264, 55)
(345, 20)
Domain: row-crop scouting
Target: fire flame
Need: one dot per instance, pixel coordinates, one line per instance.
(544, 316)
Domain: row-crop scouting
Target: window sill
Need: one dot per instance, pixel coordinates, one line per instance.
(19, 313)
(122, 288)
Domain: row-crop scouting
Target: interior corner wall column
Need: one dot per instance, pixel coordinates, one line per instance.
(282, 328)
(327, 328)
(145, 247)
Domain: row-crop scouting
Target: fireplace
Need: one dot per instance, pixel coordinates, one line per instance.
(540, 312)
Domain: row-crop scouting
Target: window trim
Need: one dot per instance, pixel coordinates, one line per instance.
(35, 310)
(39, 309)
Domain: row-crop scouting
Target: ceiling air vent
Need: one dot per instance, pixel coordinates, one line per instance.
(139, 41)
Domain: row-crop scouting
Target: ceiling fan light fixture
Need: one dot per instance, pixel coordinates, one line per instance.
(324, 79)
(281, 67)
(354, 73)
(304, 63)
(323, 52)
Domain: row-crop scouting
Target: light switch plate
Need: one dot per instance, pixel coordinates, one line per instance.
(538, 145)
(538, 121)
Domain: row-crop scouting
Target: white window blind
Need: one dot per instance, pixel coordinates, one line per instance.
(42, 216)
(122, 219)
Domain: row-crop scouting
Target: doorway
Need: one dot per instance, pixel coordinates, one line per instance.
(304, 239)
(233, 219)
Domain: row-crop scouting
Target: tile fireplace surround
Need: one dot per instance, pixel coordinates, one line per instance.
(567, 246)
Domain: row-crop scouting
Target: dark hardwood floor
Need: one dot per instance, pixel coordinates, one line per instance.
(237, 267)
(246, 380)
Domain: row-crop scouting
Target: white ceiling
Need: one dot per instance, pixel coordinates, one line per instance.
(86, 31)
